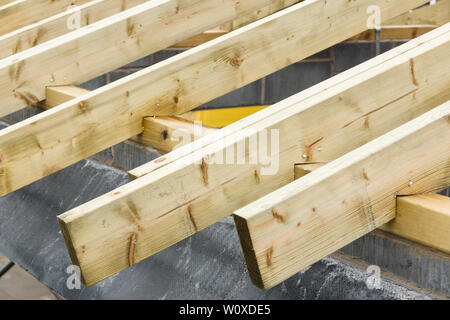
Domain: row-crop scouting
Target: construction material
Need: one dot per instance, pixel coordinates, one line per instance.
(424, 218)
(73, 18)
(295, 226)
(48, 142)
(168, 133)
(190, 194)
(123, 38)
(21, 13)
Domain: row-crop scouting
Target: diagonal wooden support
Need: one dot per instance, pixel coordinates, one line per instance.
(295, 226)
(188, 194)
(86, 14)
(84, 126)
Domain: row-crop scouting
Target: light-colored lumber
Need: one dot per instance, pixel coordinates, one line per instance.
(168, 133)
(296, 226)
(21, 13)
(55, 96)
(221, 117)
(57, 138)
(437, 15)
(52, 27)
(108, 44)
(162, 133)
(154, 165)
(93, 11)
(188, 194)
(302, 169)
(404, 27)
(390, 33)
(423, 218)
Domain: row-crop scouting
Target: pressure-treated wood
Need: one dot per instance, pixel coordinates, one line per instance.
(168, 133)
(423, 218)
(154, 165)
(302, 169)
(390, 33)
(188, 193)
(162, 133)
(406, 26)
(54, 96)
(108, 44)
(93, 11)
(68, 20)
(237, 23)
(48, 142)
(295, 226)
(436, 15)
(21, 13)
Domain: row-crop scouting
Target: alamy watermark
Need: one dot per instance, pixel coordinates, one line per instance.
(374, 280)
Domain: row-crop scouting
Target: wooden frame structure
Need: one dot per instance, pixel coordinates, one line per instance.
(396, 101)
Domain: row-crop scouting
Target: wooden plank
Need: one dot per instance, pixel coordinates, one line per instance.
(52, 27)
(305, 221)
(389, 33)
(423, 218)
(404, 27)
(213, 118)
(21, 13)
(154, 165)
(219, 118)
(188, 194)
(54, 96)
(436, 15)
(54, 139)
(123, 38)
(162, 133)
(168, 133)
(91, 12)
(302, 169)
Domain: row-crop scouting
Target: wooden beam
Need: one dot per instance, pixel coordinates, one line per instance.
(188, 194)
(423, 218)
(436, 15)
(237, 23)
(161, 133)
(302, 169)
(93, 11)
(404, 27)
(48, 142)
(54, 96)
(154, 165)
(168, 133)
(80, 55)
(50, 28)
(305, 221)
(21, 13)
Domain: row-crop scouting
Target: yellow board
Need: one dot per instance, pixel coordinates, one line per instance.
(219, 118)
